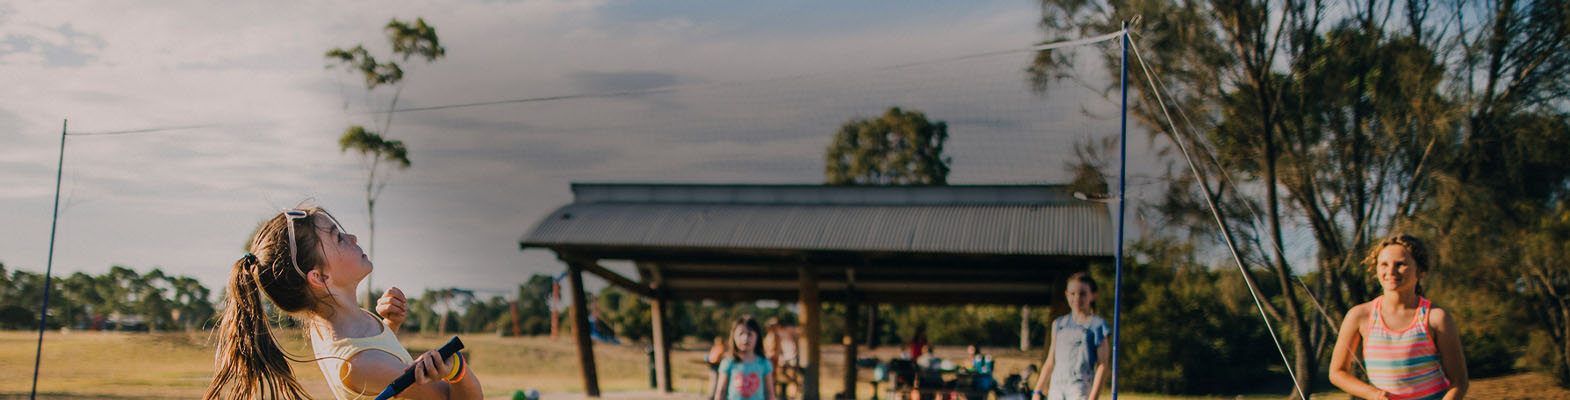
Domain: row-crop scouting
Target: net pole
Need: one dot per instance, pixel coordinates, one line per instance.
(43, 311)
(1117, 285)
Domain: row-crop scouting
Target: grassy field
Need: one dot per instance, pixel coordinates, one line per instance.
(112, 365)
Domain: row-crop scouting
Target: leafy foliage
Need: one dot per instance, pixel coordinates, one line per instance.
(119, 299)
(408, 40)
(1353, 121)
(899, 148)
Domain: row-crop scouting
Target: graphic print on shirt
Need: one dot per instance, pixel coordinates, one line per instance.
(750, 382)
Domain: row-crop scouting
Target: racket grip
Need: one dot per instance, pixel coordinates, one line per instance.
(403, 381)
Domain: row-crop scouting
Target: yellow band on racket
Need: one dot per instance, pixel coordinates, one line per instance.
(459, 365)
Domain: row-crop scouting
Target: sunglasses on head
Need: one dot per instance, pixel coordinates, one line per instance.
(290, 216)
(294, 214)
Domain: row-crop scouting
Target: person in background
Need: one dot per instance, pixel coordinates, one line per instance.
(745, 374)
(1076, 363)
(918, 342)
(716, 354)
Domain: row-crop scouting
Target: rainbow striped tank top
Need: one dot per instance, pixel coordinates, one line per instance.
(1405, 362)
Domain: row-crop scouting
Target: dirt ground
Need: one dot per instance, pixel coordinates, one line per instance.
(1519, 386)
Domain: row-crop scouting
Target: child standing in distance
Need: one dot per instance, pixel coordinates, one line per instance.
(716, 353)
(1076, 362)
(1411, 348)
(305, 263)
(745, 374)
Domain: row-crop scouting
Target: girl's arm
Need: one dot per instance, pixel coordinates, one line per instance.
(1346, 349)
(371, 371)
(1103, 355)
(1451, 358)
(721, 384)
(1046, 368)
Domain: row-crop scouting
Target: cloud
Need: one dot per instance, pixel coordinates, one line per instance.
(60, 46)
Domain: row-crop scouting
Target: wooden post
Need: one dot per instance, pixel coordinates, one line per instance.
(580, 330)
(872, 325)
(1024, 328)
(809, 326)
(849, 340)
(662, 341)
(662, 344)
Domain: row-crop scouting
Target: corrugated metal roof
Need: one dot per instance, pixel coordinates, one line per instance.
(941, 219)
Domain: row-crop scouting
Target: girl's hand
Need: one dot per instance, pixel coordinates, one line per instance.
(391, 308)
(430, 367)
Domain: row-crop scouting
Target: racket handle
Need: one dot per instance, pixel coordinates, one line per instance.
(403, 381)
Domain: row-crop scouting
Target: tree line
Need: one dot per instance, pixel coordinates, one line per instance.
(120, 299)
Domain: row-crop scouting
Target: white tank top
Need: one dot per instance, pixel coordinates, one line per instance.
(333, 357)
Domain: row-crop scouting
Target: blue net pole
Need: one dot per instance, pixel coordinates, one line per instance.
(43, 311)
(1117, 284)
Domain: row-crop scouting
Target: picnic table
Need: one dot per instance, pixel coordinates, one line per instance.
(910, 381)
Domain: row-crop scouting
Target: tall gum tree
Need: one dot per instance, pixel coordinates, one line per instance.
(408, 40)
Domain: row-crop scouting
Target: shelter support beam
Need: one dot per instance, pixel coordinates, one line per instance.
(849, 337)
(580, 330)
(872, 325)
(662, 339)
(662, 345)
(592, 265)
(1024, 328)
(810, 330)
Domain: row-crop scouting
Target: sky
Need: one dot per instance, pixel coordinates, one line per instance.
(757, 91)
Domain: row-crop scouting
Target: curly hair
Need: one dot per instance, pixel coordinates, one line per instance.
(1413, 245)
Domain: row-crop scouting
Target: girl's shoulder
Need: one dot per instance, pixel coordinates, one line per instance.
(1440, 319)
(762, 362)
(1067, 320)
(1097, 322)
(1063, 320)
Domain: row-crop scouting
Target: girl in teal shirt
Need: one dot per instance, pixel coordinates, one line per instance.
(745, 374)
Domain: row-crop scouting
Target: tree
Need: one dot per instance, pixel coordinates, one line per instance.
(629, 314)
(191, 306)
(441, 304)
(150, 302)
(899, 148)
(408, 40)
(120, 287)
(534, 310)
(1185, 317)
(81, 302)
(1499, 204)
(1546, 267)
(163, 301)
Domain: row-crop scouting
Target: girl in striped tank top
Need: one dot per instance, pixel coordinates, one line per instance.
(1410, 349)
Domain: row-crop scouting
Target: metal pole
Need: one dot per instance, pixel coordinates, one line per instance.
(1122, 195)
(43, 311)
